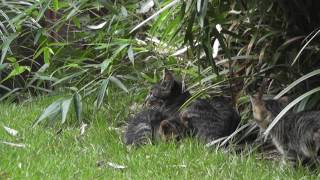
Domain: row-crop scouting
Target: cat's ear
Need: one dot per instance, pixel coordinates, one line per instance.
(255, 98)
(167, 75)
(165, 127)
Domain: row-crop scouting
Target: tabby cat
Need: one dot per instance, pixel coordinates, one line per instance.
(173, 129)
(167, 95)
(210, 119)
(296, 135)
(206, 119)
(162, 104)
(143, 127)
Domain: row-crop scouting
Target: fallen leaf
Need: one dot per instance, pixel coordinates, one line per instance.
(13, 144)
(216, 44)
(146, 6)
(99, 26)
(180, 166)
(116, 166)
(83, 128)
(11, 131)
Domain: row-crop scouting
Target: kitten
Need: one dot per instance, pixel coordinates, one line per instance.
(172, 129)
(296, 135)
(167, 95)
(163, 102)
(210, 119)
(143, 127)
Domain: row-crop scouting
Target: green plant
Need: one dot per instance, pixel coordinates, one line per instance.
(83, 47)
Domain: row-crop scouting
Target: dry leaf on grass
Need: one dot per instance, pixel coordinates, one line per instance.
(14, 144)
(11, 131)
(116, 166)
(98, 26)
(102, 163)
(83, 128)
(146, 6)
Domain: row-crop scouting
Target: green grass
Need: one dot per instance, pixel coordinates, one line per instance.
(68, 156)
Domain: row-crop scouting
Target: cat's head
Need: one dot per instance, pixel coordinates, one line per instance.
(186, 118)
(167, 89)
(264, 111)
(171, 129)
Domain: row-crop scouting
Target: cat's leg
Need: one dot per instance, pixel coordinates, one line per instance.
(290, 158)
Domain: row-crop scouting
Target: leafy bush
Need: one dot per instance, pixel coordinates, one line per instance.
(83, 47)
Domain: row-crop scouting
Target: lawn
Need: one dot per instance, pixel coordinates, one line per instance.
(60, 152)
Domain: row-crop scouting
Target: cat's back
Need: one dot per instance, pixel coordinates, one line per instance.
(211, 118)
(304, 121)
(140, 127)
(300, 121)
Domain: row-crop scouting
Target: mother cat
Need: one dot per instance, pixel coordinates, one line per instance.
(206, 119)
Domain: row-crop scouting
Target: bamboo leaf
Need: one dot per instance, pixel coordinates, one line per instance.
(199, 93)
(9, 93)
(46, 53)
(130, 55)
(6, 46)
(65, 105)
(56, 5)
(8, 20)
(118, 83)
(77, 105)
(203, 12)
(104, 65)
(198, 5)
(52, 109)
(102, 92)
(289, 41)
(155, 14)
(293, 84)
(72, 12)
(304, 46)
(16, 71)
(68, 77)
(39, 53)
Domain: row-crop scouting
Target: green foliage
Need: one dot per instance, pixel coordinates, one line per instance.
(86, 47)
